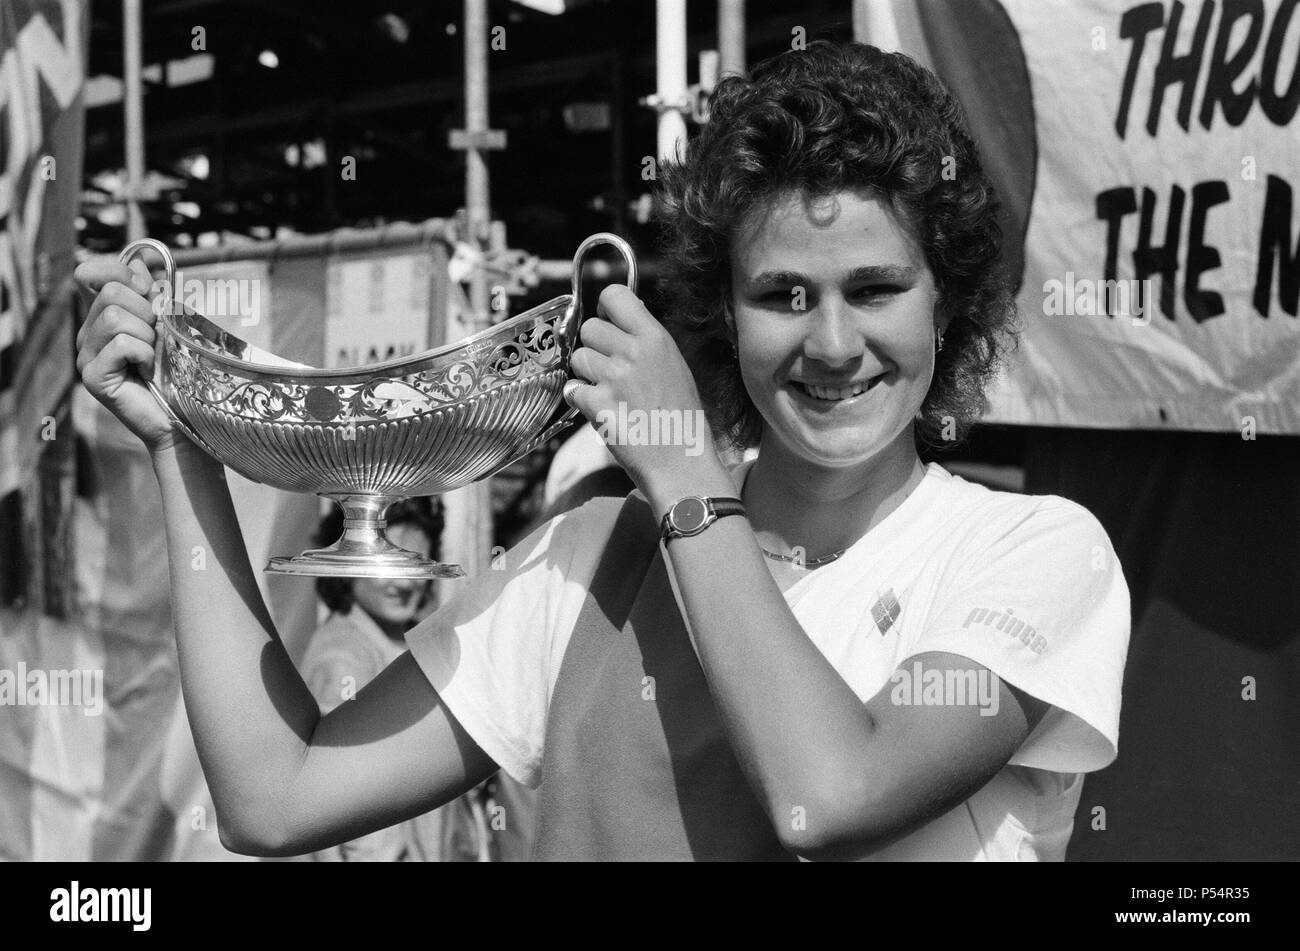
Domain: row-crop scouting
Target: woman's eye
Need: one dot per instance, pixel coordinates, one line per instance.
(879, 291)
(797, 298)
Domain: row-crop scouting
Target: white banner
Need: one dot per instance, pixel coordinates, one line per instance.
(1167, 154)
(377, 308)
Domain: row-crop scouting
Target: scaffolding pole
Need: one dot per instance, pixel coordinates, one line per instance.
(670, 69)
(477, 206)
(133, 111)
(467, 537)
(731, 38)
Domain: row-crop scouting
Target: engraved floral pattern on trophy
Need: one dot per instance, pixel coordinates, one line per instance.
(478, 370)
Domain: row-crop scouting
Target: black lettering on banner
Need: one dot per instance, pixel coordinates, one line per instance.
(1202, 305)
(1275, 239)
(1279, 109)
(1230, 88)
(1112, 205)
(1179, 69)
(1134, 25)
(1159, 259)
(1225, 69)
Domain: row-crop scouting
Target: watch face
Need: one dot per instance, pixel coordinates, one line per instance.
(688, 515)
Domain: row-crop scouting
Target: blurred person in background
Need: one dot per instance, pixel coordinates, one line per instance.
(364, 632)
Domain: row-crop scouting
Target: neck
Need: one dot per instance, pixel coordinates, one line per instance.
(793, 502)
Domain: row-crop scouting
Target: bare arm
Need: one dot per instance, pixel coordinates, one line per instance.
(285, 780)
(857, 776)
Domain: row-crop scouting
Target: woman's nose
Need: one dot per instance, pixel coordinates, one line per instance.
(833, 338)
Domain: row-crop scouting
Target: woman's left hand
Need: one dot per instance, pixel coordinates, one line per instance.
(643, 400)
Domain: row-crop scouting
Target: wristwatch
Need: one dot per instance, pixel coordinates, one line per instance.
(693, 514)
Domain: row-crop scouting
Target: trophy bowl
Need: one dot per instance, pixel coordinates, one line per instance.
(371, 435)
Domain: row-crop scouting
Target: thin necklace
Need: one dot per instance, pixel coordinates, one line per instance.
(795, 560)
(804, 562)
(815, 562)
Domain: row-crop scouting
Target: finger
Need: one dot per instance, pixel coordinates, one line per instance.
(115, 309)
(129, 299)
(118, 320)
(112, 292)
(117, 357)
(92, 274)
(587, 400)
(113, 322)
(604, 337)
(590, 365)
(621, 307)
(97, 306)
(142, 279)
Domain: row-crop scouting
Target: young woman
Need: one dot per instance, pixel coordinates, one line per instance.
(867, 657)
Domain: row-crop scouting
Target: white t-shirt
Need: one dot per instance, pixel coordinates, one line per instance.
(1028, 586)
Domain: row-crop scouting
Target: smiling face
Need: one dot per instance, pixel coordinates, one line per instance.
(392, 602)
(839, 382)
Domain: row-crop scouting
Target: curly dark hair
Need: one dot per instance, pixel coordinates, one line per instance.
(830, 118)
(425, 513)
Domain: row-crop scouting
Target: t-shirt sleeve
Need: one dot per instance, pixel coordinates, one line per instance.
(1044, 605)
(493, 650)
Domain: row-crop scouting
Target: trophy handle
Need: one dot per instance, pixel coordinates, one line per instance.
(573, 319)
(169, 264)
(572, 322)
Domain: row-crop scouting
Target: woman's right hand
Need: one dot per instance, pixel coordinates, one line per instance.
(117, 348)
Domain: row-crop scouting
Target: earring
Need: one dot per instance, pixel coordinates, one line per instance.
(938, 340)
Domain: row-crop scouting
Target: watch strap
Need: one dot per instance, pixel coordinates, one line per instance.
(724, 506)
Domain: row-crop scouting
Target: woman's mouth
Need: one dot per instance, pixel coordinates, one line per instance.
(400, 596)
(822, 393)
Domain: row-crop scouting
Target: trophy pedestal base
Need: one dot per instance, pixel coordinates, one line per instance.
(363, 551)
(327, 564)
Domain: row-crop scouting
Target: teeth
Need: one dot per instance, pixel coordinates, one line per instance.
(829, 393)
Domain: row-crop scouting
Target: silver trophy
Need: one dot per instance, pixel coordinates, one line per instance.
(370, 436)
